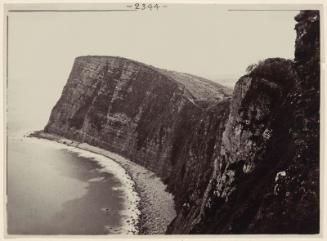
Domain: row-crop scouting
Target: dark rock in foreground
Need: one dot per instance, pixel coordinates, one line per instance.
(246, 163)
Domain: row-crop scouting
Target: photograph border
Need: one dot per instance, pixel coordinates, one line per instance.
(7, 6)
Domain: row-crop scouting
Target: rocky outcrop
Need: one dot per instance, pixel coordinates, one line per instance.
(241, 163)
(240, 170)
(266, 171)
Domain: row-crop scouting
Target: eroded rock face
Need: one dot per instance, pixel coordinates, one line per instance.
(246, 163)
(146, 114)
(239, 157)
(266, 172)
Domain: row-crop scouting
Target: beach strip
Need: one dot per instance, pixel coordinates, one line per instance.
(156, 204)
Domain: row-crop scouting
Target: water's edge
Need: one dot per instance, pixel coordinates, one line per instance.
(149, 207)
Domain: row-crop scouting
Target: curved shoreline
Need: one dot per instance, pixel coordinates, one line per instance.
(129, 213)
(156, 205)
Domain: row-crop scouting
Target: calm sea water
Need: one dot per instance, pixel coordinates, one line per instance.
(54, 190)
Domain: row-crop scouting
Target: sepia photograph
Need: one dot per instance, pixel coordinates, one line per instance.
(154, 118)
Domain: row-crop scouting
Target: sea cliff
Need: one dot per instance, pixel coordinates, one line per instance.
(242, 161)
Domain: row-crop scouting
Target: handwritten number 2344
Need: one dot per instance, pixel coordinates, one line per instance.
(143, 6)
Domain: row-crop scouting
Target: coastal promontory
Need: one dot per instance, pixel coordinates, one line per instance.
(237, 161)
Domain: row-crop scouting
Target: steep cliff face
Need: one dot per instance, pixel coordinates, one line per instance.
(238, 161)
(246, 163)
(266, 172)
(137, 110)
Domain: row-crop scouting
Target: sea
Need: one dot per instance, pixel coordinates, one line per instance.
(55, 189)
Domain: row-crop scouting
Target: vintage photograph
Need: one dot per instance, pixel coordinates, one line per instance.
(161, 118)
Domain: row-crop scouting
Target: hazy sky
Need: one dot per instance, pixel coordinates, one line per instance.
(206, 40)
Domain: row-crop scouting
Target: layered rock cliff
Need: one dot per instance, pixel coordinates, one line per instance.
(246, 162)
(139, 111)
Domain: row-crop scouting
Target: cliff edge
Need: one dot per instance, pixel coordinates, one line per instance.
(241, 162)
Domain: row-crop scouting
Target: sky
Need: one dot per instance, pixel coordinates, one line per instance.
(205, 40)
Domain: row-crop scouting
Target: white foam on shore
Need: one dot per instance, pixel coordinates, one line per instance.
(130, 214)
(96, 179)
